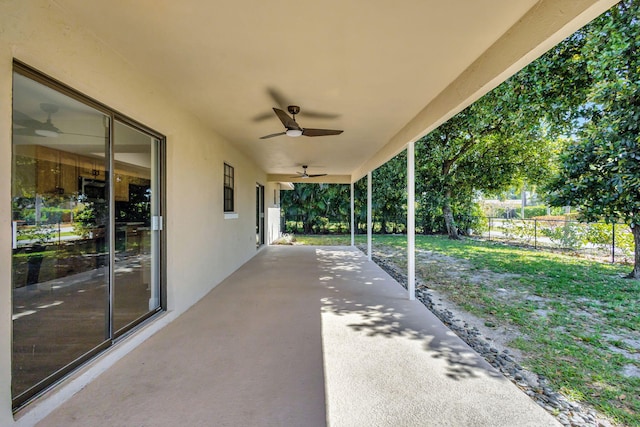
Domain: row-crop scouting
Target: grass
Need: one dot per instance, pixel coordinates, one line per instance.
(324, 239)
(578, 320)
(54, 236)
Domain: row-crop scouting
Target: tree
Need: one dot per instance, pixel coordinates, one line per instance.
(389, 188)
(601, 168)
(505, 136)
(316, 205)
(303, 203)
(485, 147)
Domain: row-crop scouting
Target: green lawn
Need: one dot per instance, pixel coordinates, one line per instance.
(579, 320)
(323, 239)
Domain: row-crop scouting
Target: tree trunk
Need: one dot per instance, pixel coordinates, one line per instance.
(635, 273)
(452, 230)
(307, 227)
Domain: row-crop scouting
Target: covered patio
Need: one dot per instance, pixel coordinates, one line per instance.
(239, 333)
(302, 336)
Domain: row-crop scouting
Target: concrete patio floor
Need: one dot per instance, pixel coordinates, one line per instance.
(302, 336)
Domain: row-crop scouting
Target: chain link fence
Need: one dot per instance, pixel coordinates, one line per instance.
(597, 240)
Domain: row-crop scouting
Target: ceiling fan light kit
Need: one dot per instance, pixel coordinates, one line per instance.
(46, 133)
(294, 132)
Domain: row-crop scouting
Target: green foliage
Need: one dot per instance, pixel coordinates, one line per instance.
(84, 219)
(505, 137)
(565, 235)
(389, 194)
(523, 230)
(39, 234)
(315, 207)
(469, 218)
(54, 215)
(601, 168)
(533, 211)
(599, 233)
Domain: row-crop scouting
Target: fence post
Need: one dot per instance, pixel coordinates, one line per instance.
(490, 218)
(535, 234)
(613, 243)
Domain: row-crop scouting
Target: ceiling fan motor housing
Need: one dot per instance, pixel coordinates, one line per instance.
(293, 109)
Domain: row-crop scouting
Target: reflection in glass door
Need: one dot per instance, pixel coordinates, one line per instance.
(86, 230)
(60, 217)
(137, 223)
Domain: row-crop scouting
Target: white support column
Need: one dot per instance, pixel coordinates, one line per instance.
(369, 217)
(353, 217)
(411, 221)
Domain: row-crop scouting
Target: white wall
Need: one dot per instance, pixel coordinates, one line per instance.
(203, 248)
(272, 211)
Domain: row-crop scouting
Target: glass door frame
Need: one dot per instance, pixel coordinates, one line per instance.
(260, 215)
(110, 337)
(161, 247)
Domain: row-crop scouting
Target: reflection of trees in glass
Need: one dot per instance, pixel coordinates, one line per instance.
(42, 209)
(138, 208)
(24, 183)
(39, 234)
(84, 219)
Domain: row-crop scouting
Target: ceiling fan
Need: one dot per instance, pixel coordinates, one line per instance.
(304, 173)
(294, 129)
(31, 127)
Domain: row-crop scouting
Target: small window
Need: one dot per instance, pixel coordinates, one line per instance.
(228, 188)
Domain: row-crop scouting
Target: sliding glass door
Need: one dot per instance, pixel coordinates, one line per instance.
(137, 225)
(86, 230)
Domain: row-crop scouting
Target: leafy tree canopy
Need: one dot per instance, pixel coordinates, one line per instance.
(600, 168)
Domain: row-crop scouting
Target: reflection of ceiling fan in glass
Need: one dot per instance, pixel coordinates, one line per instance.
(31, 127)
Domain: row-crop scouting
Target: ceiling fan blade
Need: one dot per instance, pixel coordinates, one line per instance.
(22, 119)
(27, 131)
(263, 116)
(316, 175)
(287, 121)
(84, 134)
(273, 135)
(279, 100)
(278, 97)
(32, 132)
(318, 115)
(320, 132)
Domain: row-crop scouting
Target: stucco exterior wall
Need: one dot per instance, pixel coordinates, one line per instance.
(202, 247)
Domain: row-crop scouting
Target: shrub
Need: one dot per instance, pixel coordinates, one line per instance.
(533, 211)
(84, 219)
(523, 230)
(569, 235)
(38, 234)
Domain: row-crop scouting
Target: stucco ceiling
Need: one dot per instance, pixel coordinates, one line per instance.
(390, 70)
